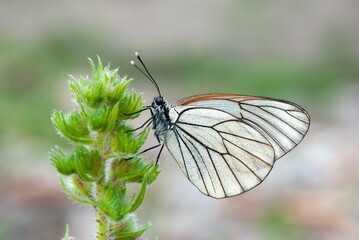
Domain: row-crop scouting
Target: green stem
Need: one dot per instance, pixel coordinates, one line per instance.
(101, 225)
(101, 218)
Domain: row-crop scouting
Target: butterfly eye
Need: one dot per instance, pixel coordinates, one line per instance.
(159, 100)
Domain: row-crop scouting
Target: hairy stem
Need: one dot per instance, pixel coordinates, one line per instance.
(101, 225)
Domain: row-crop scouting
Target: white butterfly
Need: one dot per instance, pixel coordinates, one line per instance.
(226, 144)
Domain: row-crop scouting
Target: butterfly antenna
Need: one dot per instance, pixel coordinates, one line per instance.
(147, 73)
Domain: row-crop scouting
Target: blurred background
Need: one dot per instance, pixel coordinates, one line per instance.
(305, 51)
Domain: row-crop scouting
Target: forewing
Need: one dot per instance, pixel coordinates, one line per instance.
(221, 154)
(283, 123)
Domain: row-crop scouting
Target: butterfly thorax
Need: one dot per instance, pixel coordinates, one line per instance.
(161, 118)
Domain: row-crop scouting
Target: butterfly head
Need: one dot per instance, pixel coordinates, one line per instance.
(159, 101)
(160, 104)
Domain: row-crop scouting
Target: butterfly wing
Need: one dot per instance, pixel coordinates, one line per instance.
(227, 144)
(283, 123)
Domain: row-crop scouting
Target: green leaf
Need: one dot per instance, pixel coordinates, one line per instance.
(152, 173)
(136, 202)
(130, 235)
(97, 74)
(104, 119)
(61, 161)
(124, 141)
(72, 126)
(73, 193)
(130, 103)
(134, 170)
(83, 188)
(67, 233)
(87, 163)
(98, 119)
(116, 93)
(112, 118)
(127, 229)
(111, 200)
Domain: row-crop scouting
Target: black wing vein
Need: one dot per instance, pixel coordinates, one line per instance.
(257, 157)
(214, 150)
(282, 120)
(180, 148)
(201, 158)
(194, 159)
(268, 122)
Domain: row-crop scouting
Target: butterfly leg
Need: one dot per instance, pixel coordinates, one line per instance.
(148, 149)
(143, 109)
(153, 147)
(148, 122)
(159, 154)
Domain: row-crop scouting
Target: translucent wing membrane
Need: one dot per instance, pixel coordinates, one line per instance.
(283, 123)
(227, 144)
(219, 161)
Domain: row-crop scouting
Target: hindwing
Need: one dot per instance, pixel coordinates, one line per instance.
(227, 144)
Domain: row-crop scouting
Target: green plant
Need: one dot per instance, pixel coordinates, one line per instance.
(104, 159)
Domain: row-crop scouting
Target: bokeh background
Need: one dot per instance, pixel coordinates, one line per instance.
(306, 51)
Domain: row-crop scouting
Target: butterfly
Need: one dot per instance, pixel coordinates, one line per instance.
(225, 144)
